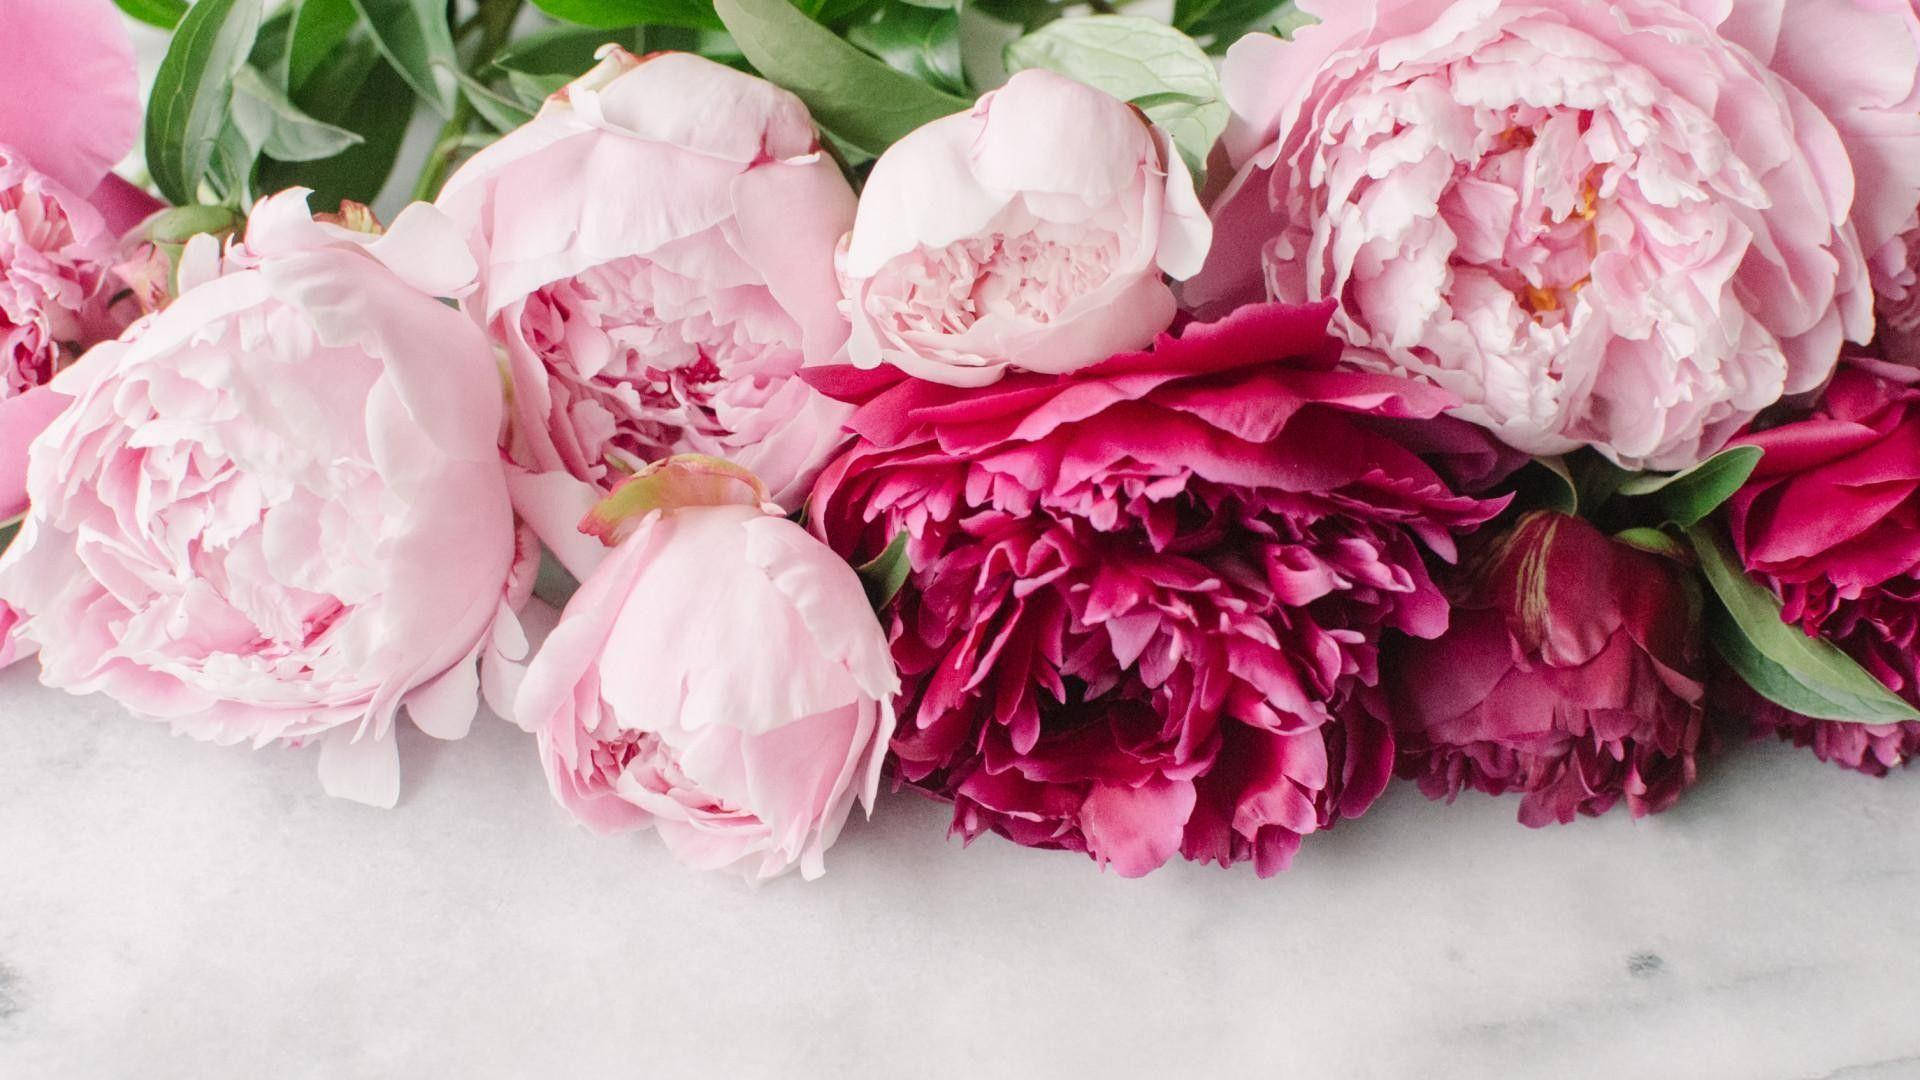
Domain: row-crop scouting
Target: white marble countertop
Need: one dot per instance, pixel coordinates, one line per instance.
(173, 909)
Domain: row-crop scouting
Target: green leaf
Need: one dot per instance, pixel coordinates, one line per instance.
(276, 125)
(7, 533)
(567, 50)
(1220, 23)
(1147, 63)
(1653, 541)
(921, 41)
(1809, 675)
(1686, 498)
(884, 576)
(164, 14)
(1596, 477)
(414, 36)
(1545, 484)
(613, 14)
(356, 89)
(499, 111)
(319, 28)
(187, 111)
(855, 96)
(532, 91)
(269, 52)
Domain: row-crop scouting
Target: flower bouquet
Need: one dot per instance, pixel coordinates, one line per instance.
(1148, 432)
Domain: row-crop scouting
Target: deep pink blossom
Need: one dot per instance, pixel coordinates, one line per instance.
(1830, 520)
(1147, 597)
(1572, 674)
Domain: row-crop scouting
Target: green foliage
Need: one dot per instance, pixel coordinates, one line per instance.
(413, 35)
(164, 14)
(855, 96)
(192, 91)
(616, 14)
(1147, 63)
(1808, 675)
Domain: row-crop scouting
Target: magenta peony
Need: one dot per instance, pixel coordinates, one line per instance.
(1147, 598)
(1572, 674)
(1624, 225)
(1830, 520)
(277, 511)
(720, 678)
(656, 253)
(1033, 232)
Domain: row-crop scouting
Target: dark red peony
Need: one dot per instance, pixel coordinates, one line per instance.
(1830, 520)
(1572, 674)
(1147, 598)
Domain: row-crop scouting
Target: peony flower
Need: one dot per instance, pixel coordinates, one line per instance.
(1147, 597)
(656, 253)
(1621, 225)
(719, 677)
(1830, 520)
(69, 108)
(1031, 233)
(1573, 674)
(277, 512)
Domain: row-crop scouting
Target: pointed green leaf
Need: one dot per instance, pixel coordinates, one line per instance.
(319, 28)
(1141, 61)
(187, 111)
(924, 42)
(613, 14)
(1686, 498)
(353, 88)
(886, 574)
(851, 94)
(278, 128)
(1653, 541)
(413, 35)
(1808, 675)
(164, 14)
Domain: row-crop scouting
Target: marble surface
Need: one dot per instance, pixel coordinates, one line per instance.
(173, 909)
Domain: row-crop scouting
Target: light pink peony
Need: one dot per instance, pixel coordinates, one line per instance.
(720, 677)
(277, 511)
(1031, 232)
(656, 255)
(1627, 225)
(69, 108)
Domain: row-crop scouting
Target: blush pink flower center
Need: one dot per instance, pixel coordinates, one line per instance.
(646, 362)
(1033, 274)
(51, 268)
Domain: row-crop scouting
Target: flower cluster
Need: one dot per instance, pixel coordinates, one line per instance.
(1146, 459)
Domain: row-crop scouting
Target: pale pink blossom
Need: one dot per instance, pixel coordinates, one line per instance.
(277, 510)
(656, 253)
(720, 678)
(1033, 232)
(1626, 225)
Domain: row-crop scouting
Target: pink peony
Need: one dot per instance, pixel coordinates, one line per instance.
(1030, 232)
(1627, 225)
(1830, 520)
(1147, 597)
(1572, 674)
(720, 677)
(656, 256)
(277, 512)
(69, 108)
